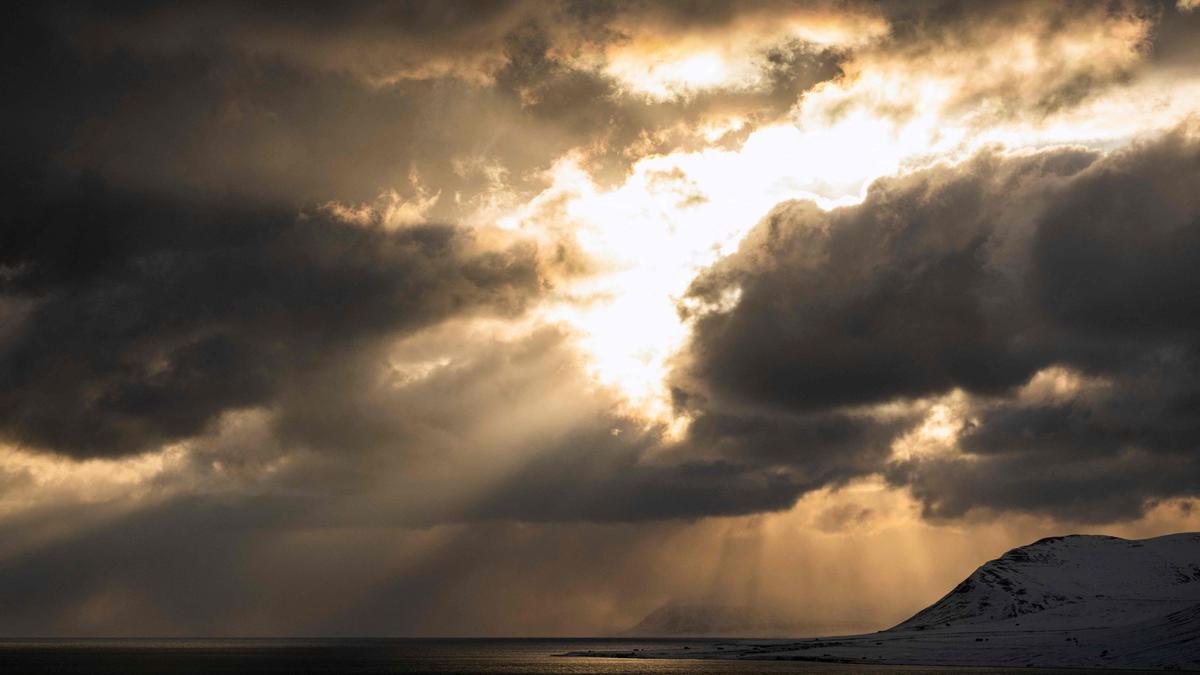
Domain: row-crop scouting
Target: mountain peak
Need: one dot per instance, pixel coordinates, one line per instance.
(1052, 580)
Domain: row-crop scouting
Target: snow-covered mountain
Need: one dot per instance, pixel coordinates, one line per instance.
(1079, 581)
(1080, 601)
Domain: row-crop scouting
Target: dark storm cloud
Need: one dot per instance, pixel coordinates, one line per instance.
(209, 117)
(224, 94)
(157, 274)
(866, 304)
(193, 247)
(137, 320)
(972, 277)
(976, 277)
(599, 477)
(302, 105)
(550, 449)
(305, 105)
(1094, 489)
(729, 465)
(313, 103)
(143, 293)
(166, 256)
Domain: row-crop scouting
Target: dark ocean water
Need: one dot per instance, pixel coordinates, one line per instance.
(136, 657)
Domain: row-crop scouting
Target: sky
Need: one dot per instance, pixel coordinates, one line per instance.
(528, 318)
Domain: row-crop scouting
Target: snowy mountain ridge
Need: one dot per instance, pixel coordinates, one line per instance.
(1074, 581)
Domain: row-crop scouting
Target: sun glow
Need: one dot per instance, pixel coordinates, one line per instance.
(937, 434)
(677, 213)
(661, 61)
(680, 75)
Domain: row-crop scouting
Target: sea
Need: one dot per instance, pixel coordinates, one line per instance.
(354, 656)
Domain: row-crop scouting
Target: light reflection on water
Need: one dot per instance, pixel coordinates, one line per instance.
(387, 656)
